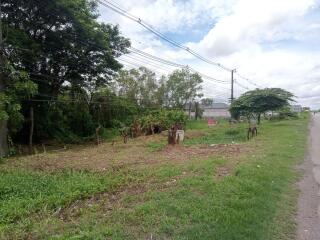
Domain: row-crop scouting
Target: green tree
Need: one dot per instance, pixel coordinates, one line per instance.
(256, 102)
(206, 101)
(60, 43)
(183, 87)
(142, 87)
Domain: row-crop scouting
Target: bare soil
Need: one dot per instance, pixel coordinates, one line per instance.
(112, 155)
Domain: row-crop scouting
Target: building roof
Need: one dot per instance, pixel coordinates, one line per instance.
(296, 106)
(215, 106)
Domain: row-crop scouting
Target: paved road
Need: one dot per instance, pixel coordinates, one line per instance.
(308, 217)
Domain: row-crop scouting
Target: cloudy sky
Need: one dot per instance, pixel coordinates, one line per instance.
(273, 43)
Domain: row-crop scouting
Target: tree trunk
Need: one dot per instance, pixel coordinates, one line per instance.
(190, 110)
(196, 111)
(31, 130)
(4, 149)
(259, 118)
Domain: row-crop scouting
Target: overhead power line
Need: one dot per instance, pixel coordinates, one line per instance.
(249, 81)
(173, 64)
(240, 85)
(137, 65)
(116, 8)
(144, 61)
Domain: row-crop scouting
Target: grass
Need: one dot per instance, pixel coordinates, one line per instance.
(222, 133)
(155, 146)
(110, 134)
(254, 200)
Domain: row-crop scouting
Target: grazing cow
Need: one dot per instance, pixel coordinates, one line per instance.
(252, 130)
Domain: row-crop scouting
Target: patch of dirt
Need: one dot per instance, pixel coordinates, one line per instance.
(180, 152)
(107, 202)
(194, 133)
(222, 172)
(134, 154)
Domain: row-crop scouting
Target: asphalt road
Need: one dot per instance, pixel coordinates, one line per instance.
(308, 217)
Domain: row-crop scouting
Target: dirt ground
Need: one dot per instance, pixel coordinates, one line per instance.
(134, 154)
(308, 217)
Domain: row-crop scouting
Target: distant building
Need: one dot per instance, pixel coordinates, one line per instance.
(306, 109)
(296, 108)
(216, 110)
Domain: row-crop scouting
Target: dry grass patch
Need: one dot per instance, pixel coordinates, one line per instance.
(134, 154)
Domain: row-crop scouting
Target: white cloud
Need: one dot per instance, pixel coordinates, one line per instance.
(254, 22)
(268, 41)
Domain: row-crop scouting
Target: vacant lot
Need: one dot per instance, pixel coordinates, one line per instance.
(214, 186)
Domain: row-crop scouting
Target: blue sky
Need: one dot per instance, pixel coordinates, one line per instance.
(274, 43)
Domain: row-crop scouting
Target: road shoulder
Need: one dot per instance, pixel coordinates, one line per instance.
(308, 204)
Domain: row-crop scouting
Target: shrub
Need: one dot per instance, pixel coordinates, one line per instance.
(285, 113)
(163, 119)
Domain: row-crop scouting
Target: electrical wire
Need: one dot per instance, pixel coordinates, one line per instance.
(119, 10)
(248, 80)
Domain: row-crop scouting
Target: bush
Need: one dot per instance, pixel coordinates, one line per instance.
(163, 119)
(285, 113)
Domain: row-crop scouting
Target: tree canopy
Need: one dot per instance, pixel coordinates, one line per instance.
(254, 103)
(60, 76)
(183, 87)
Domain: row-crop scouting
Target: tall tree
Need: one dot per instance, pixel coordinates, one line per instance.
(207, 101)
(60, 43)
(183, 87)
(3, 116)
(141, 86)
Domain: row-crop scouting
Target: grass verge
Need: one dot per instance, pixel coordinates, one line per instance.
(253, 198)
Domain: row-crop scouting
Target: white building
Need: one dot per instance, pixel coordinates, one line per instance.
(216, 110)
(296, 108)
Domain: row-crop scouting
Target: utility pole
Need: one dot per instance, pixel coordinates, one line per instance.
(232, 83)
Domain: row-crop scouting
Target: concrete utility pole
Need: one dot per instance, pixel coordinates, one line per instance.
(4, 123)
(232, 83)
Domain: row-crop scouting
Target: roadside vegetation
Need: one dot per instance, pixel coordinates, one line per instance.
(84, 150)
(199, 190)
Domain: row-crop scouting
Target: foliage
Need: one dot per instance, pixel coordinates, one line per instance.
(285, 113)
(206, 101)
(69, 53)
(183, 87)
(70, 77)
(18, 87)
(198, 110)
(256, 102)
(140, 86)
(163, 118)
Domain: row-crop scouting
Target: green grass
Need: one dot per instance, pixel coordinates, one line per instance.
(24, 193)
(110, 133)
(156, 145)
(222, 133)
(256, 201)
